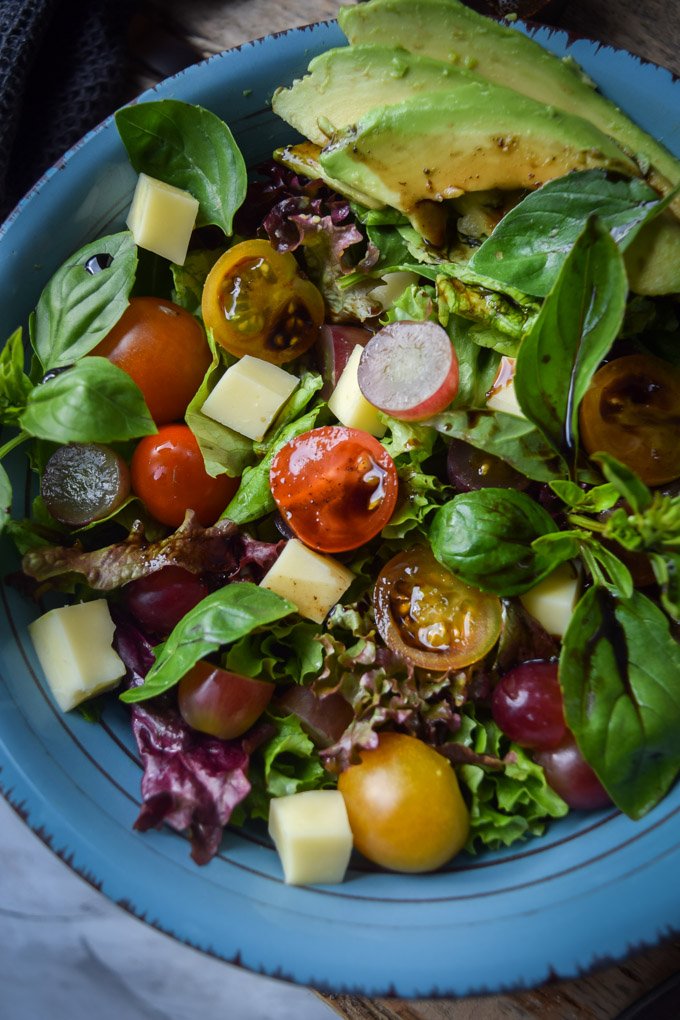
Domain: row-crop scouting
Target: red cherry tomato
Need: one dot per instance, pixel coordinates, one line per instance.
(631, 411)
(256, 302)
(430, 618)
(163, 349)
(336, 487)
(169, 476)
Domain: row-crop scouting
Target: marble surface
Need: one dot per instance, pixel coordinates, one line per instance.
(67, 953)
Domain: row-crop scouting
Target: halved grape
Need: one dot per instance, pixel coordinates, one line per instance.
(84, 482)
(468, 468)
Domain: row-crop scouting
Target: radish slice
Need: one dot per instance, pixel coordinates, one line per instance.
(409, 370)
(334, 346)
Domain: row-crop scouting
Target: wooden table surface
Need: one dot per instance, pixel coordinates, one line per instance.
(170, 33)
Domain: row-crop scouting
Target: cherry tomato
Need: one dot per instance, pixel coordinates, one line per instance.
(632, 411)
(169, 476)
(256, 302)
(221, 703)
(404, 805)
(336, 487)
(430, 618)
(163, 349)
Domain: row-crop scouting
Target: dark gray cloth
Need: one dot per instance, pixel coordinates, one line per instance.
(63, 65)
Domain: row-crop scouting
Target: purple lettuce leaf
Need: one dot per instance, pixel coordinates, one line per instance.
(192, 781)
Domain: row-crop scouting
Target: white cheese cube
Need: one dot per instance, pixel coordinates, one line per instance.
(312, 836)
(392, 287)
(73, 645)
(502, 395)
(162, 218)
(312, 582)
(552, 602)
(348, 403)
(249, 396)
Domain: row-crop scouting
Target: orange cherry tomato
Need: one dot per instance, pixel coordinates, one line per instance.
(256, 302)
(163, 349)
(404, 805)
(429, 617)
(169, 476)
(335, 487)
(632, 411)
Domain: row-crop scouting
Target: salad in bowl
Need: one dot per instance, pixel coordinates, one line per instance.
(356, 472)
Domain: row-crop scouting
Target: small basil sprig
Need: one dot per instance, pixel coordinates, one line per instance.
(92, 402)
(190, 148)
(486, 538)
(619, 670)
(578, 323)
(221, 618)
(529, 246)
(77, 308)
(15, 385)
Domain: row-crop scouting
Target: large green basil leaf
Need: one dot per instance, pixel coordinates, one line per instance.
(14, 383)
(77, 308)
(530, 244)
(190, 148)
(221, 618)
(619, 670)
(485, 538)
(508, 436)
(93, 402)
(575, 329)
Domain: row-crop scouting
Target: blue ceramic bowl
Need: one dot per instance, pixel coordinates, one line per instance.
(594, 888)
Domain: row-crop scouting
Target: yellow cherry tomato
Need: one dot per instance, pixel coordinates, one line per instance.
(256, 302)
(404, 805)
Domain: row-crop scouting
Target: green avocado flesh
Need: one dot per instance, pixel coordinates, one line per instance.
(344, 84)
(473, 138)
(448, 30)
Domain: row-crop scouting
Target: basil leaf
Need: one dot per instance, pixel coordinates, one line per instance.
(626, 482)
(5, 498)
(77, 309)
(219, 619)
(575, 329)
(595, 500)
(666, 566)
(14, 383)
(190, 148)
(477, 364)
(508, 436)
(485, 538)
(93, 402)
(531, 243)
(619, 671)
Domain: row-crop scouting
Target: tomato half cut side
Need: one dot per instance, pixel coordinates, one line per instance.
(335, 487)
(429, 617)
(632, 411)
(256, 302)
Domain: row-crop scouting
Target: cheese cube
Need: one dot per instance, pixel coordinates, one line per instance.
(249, 396)
(502, 395)
(392, 287)
(312, 836)
(312, 582)
(553, 600)
(73, 645)
(162, 218)
(348, 403)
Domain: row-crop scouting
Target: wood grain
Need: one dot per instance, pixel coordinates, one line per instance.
(650, 28)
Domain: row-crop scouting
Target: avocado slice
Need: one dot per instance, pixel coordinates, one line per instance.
(345, 83)
(474, 138)
(448, 30)
(304, 159)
